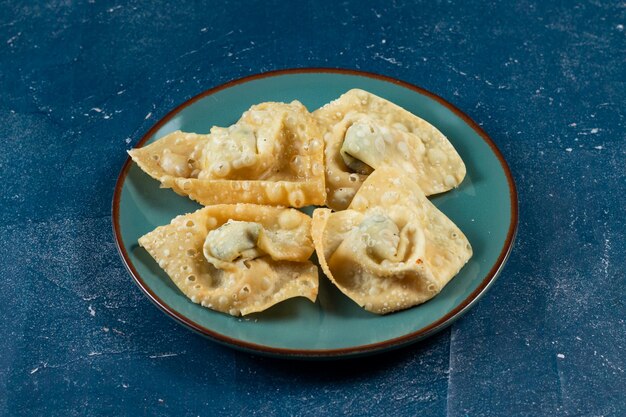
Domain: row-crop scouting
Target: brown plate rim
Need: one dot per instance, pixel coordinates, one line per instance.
(386, 345)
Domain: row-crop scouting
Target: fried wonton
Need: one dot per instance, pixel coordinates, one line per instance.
(237, 258)
(273, 155)
(392, 248)
(363, 132)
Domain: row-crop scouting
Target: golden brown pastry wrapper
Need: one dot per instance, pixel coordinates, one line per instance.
(392, 248)
(273, 155)
(237, 258)
(363, 132)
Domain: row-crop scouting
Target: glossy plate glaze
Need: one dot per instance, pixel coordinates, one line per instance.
(484, 207)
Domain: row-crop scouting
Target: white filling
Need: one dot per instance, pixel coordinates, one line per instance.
(175, 164)
(231, 148)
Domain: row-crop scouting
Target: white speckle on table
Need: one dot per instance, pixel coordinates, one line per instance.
(384, 41)
(148, 116)
(92, 311)
(599, 147)
(620, 27)
(572, 125)
(568, 149)
(591, 131)
(12, 39)
(120, 92)
(606, 263)
(96, 109)
(391, 60)
(560, 356)
(204, 29)
(165, 355)
(37, 368)
(125, 385)
(127, 140)
(457, 71)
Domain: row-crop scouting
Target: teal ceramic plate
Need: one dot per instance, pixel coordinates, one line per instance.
(484, 207)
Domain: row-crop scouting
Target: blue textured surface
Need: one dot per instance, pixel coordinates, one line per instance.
(81, 81)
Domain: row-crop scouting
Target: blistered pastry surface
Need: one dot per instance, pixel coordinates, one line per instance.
(237, 276)
(273, 155)
(392, 248)
(380, 133)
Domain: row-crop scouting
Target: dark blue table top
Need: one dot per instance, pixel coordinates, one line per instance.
(81, 81)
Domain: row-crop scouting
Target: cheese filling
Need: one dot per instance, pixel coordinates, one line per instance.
(229, 150)
(175, 164)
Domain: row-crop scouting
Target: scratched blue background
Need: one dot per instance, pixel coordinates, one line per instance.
(82, 80)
